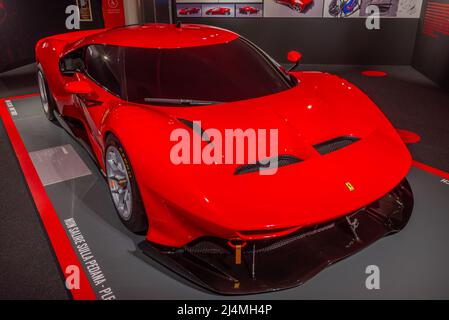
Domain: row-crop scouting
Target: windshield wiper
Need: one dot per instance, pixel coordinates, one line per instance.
(185, 102)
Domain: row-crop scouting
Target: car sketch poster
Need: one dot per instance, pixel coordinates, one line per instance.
(219, 8)
(362, 8)
(290, 9)
(298, 8)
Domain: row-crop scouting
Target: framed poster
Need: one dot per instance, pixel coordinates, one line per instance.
(293, 8)
(85, 10)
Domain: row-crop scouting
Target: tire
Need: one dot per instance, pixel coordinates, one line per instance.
(120, 176)
(297, 8)
(48, 102)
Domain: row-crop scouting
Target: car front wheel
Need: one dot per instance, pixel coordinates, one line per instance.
(48, 103)
(123, 187)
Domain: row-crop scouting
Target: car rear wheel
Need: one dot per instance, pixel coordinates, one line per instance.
(48, 103)
(123, 187)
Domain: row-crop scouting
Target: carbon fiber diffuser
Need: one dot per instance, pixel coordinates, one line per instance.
(285, 262)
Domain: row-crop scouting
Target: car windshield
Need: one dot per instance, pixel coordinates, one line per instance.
(203, 75)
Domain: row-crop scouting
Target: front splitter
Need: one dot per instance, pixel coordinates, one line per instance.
(289, 261)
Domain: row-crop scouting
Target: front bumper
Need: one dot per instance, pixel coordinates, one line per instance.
(288, 261)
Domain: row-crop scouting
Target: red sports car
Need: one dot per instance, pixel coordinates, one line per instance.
(222, 11)
(297, 5)
(248, 10)
(341, 166)
(188, 11)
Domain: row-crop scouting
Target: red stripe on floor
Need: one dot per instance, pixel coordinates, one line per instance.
(374, 73)
(24, 96)
(408, 136)
(430, 169)
(59, 240)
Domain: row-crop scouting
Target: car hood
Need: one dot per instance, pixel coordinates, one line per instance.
(320, 108)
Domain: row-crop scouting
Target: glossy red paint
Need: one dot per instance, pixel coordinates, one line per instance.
(297, 5)
(186, 202)
(79, 87)
(162, 36)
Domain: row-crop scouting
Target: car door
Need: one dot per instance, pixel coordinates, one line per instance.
(103, 71)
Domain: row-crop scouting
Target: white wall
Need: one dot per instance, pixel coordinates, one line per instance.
(132, 11)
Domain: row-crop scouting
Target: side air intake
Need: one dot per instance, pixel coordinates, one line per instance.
(280, 161)
(334, 144)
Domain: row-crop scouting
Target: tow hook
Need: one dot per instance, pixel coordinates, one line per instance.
(237, 245)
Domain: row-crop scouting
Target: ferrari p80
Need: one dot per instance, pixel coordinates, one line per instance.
(340, 183)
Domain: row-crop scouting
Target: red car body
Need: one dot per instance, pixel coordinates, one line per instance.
(248, 10)
(187, 202)
(219, 11)
(297, 5)
(187, 11)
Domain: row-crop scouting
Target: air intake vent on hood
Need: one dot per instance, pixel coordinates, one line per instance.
(282, 160)
(197, 129)
(335, 144)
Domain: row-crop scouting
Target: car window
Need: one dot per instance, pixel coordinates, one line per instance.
(72, 62)
(103, 65)
(225, 72)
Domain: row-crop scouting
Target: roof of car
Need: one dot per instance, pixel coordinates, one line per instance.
(162, 36)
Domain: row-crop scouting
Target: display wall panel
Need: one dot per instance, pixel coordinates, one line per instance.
(321, 8)
(431, 54)
(23, 23)
(326, 41)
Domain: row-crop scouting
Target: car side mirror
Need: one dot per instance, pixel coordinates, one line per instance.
(294, 56)
(79, 87)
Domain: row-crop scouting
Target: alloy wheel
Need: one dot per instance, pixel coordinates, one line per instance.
(119, 182)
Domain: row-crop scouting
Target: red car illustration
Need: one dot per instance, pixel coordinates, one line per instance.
(188, 11)
(297, 5)
(219, 11)
(341, 166)
(248, 10)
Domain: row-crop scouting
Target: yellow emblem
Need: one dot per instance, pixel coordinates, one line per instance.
(349, 186)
